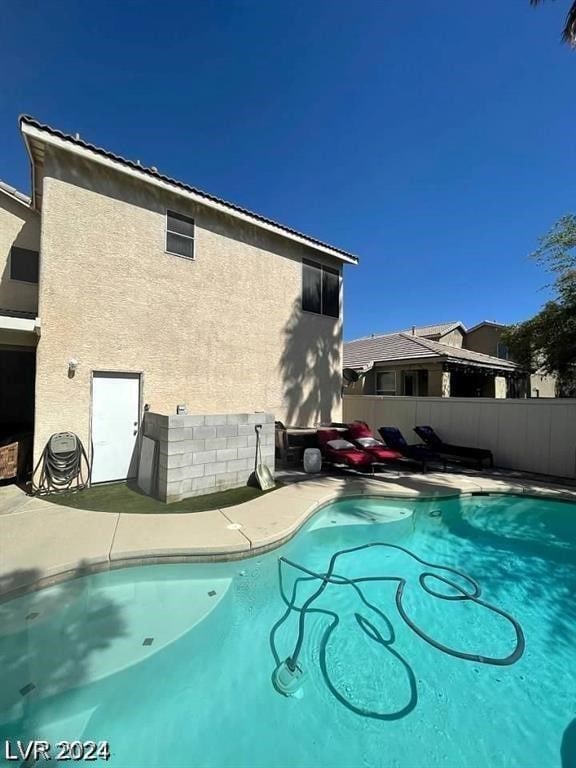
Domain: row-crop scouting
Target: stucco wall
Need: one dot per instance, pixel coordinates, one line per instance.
(454, 339)
(542, 385)
(223, 333)
(484, 339)
(19, 226)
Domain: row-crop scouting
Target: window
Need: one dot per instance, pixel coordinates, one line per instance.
(23, 265)
(415, 383)
(502, 351)
(423, 383)
(386, 383)
(179, 234)
(320, 289)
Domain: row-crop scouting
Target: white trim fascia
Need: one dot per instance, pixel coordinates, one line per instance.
(88, 154)
(28, 206)
(26, 324)
(490, 323)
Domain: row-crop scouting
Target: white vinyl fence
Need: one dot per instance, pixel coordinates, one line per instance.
(535, 435)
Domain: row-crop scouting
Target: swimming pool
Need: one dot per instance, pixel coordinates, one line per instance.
(173, 665)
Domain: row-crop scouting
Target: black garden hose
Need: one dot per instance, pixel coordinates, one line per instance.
(474, 595)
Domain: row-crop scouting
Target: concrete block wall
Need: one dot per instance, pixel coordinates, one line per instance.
(207, 453)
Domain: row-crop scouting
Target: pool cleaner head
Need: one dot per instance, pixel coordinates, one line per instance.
(288, 678)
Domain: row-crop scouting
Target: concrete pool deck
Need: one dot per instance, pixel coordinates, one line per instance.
(42, 543)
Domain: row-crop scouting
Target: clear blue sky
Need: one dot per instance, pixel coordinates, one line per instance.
(434, 139)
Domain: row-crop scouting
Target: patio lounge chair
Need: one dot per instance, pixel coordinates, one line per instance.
(462, 452)
(420, 453)
(337, 450)
(360, 434)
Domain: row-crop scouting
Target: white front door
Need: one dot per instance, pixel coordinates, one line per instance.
(115, 422)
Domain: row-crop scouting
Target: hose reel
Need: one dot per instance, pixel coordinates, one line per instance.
(64, 465)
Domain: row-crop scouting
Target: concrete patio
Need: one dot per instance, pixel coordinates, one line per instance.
(42, 543)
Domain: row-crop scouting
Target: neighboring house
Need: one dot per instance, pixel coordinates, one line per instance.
(486, 337)
(429, 361)
(121, 284)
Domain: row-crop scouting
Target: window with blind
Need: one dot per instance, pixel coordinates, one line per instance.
(320, 289)
(179, 235)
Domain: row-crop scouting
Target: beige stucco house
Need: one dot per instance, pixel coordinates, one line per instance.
(122, 285)
(486, 337)
(429, 361)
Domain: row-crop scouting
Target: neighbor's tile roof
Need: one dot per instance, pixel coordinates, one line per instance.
(394, 347)
(389, 346)
(434, 330)
(153, 172)
(491, 323)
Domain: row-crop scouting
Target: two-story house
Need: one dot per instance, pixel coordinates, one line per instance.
(122, 289)
(486, 337)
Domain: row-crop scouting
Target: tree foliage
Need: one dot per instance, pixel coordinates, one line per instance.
(569, 32)
(548, 340)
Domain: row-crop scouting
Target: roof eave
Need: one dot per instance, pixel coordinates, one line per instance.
(32, 131)
(480, 364)
(33, 198)
(16, 199)
(488, 323)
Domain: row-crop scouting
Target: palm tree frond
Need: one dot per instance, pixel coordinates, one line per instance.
(569, 34)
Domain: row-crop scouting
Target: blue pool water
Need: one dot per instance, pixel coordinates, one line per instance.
(172, 664)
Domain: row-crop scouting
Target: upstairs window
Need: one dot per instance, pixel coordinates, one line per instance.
(179, 235)
(502, 351)
(320, 289)
(23, 265)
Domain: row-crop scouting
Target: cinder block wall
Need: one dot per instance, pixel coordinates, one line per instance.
(205, 454)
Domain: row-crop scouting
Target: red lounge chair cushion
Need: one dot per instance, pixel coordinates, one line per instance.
(358, 429)
(361, 433)
(325, 435)
(340, 445)
(352, 456)
(382, 453)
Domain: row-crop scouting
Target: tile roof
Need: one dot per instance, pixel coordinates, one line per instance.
(394, 347)
(435, 330)
(13, 192)
(491, 323)
(152, 172)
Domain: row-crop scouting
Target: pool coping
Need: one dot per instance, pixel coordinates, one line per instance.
(49, 543)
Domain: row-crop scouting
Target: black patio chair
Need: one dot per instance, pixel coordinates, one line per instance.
(421, 453)
(461, 452)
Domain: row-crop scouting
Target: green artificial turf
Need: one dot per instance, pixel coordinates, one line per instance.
(126, 498)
